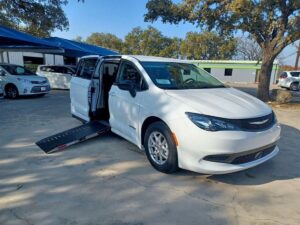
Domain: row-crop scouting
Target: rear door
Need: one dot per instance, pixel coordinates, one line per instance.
(80, 88)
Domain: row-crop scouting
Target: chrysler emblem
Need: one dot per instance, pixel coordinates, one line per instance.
(258, 155)
(259, 122)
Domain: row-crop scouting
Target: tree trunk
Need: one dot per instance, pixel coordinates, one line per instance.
(264, 79)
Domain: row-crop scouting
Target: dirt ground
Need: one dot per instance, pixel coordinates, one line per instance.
(109, 181)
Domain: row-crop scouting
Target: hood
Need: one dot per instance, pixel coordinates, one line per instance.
(221, 102)
(31, 78)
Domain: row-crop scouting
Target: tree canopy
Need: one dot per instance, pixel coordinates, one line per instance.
(273, 24)
(148, 41)
(106, 40)
(208, 45)
(37, 17)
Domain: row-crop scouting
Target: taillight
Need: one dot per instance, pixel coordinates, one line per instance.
(283, 76)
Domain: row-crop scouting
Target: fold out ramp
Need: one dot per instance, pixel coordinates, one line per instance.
(70, 137)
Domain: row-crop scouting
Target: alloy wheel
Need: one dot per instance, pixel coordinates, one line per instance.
(12, 92)
(158, 147)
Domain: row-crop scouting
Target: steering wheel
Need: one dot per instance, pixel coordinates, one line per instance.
(190, 80)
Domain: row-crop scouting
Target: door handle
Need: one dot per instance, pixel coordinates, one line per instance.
(112, 94)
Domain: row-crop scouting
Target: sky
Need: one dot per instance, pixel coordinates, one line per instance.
(120, 16)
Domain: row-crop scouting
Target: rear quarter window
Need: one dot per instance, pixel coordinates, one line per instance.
(295, 74)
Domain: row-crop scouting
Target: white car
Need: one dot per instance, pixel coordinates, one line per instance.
(179, 114)
(59, 76)
(290, 80)
(17, 80)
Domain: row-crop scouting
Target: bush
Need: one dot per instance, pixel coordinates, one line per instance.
(281, 96)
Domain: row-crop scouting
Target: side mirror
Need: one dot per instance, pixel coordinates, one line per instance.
(2, 73)
(128, 86)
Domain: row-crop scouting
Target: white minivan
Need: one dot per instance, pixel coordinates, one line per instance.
(16, 80)
(59, 76)
(179, 114)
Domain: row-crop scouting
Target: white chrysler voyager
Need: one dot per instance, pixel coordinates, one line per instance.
(179, 114)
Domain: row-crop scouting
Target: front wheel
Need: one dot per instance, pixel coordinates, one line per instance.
(294, 87)
(11, 92)
(160, 148)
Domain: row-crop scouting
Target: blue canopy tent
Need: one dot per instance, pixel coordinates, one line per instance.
(79, 49)
(13, 40)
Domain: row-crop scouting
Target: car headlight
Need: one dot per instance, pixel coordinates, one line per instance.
(24, 80)
(211, 123)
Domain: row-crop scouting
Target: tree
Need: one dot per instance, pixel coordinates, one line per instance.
(149, 41)
(106, 40)
(248, 49)
(273, 24)
(37, 17)
(171, 48)
(78, 39)
(207, 45)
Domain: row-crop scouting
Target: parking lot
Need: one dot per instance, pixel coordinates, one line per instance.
(107, 180)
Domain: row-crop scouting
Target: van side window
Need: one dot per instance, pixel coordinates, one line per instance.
(86, 68)
(129, 73)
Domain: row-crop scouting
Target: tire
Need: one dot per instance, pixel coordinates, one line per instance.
(160, 148)
(11, 92)
(294, 86)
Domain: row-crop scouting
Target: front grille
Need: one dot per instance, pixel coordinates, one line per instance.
(257, 124)
(242, 157)
(39, 82)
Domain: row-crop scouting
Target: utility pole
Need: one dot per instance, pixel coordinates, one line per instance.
(297, 57)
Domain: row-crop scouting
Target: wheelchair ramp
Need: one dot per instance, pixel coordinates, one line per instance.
(70, 137)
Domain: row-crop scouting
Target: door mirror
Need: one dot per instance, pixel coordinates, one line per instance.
(2, 73)
(128, 86)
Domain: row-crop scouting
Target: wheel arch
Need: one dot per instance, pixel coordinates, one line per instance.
(147, 122)
(9, 85)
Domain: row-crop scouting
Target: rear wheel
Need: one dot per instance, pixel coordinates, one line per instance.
(11, 91)
(294, 86)
(160, 148)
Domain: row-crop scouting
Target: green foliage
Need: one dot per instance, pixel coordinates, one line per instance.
(208, 45)
(149, 41)
(37, 17)
(106, 40)
(273, 24)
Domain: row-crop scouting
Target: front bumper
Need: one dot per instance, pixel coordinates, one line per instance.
(195, 144)
(34, 89)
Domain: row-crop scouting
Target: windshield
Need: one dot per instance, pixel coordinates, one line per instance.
(173, 75)
(17, 70)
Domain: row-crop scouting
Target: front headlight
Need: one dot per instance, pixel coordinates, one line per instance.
(211, 123)
(24, 80)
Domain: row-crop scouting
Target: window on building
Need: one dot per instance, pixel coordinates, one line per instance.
(228, 72)
(207, 70)
(70, 60)
(32, 63)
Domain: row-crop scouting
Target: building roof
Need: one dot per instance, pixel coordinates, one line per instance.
(230, 64)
